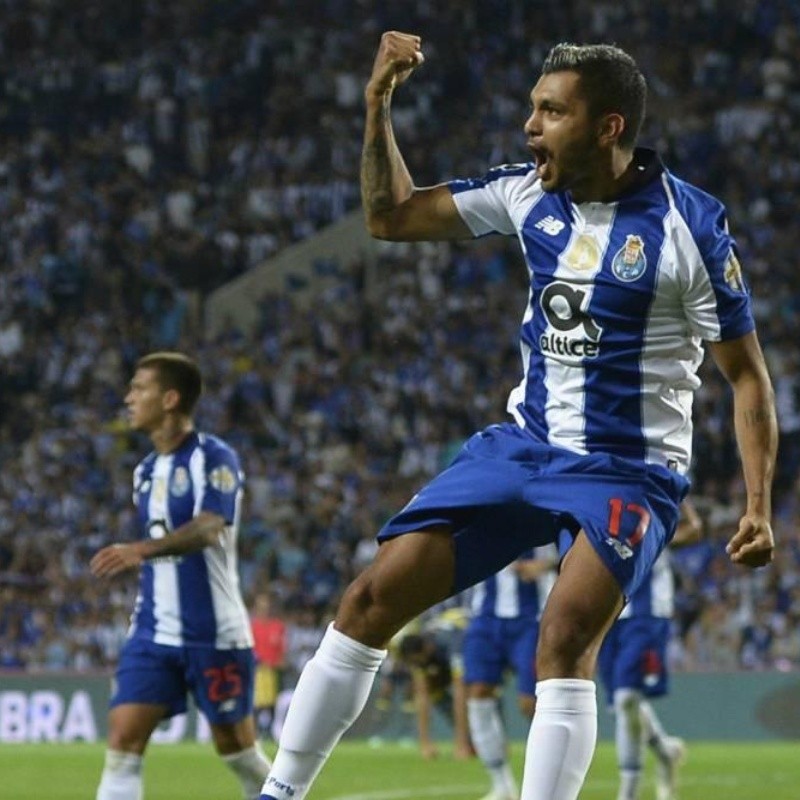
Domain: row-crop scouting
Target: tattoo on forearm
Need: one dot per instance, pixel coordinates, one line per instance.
(376, 179)
(757, 417)
(376, 169)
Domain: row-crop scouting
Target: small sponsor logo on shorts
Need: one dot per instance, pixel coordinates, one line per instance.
(622, 550)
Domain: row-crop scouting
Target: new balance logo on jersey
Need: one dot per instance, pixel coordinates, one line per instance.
(550, 225)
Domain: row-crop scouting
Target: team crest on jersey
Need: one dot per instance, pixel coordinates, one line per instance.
(180, 482)
(630, 263)
(583, 254)
(223, 479)
(733, 273)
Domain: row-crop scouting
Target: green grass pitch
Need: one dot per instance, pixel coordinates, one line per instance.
(713, 771)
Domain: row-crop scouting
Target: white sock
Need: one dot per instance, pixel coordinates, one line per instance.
(630, 741)
(653, 732)
(251, 767)
(331, 693)
(562, 739)
(489, 739)
(122, 777)
(629, 783)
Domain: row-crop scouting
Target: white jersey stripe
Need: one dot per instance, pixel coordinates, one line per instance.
(166, 597)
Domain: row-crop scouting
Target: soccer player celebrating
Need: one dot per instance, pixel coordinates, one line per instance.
(190, 631)
(630, 268)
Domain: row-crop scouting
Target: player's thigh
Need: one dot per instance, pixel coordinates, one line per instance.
(130, 726)
(583, 604)
(149, 686)
(410, 573)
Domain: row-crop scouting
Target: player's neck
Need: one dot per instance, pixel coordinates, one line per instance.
(608, 182)
(169, 436)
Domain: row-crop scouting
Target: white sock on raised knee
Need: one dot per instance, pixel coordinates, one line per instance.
(562, 739)
(329, 696)
(121, 778)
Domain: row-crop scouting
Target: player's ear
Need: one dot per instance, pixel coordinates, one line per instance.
(171, 400)
(611, 128)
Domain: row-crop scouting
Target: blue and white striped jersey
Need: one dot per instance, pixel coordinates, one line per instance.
(656, 596)
(192, 599)
(621, 295)
(506, 596)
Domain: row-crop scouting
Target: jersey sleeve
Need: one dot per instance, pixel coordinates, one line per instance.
(716, 300)
(485, 203)
(224, 483)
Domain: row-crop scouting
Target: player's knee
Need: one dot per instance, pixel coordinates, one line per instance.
(128, 742)
(564, 649)
(481, 691)
(359, 598)
(230, 739)
(527, 705)
(627, 702)
(360, 613)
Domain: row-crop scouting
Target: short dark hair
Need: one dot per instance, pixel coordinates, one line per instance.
(176, 371)
(610, 79)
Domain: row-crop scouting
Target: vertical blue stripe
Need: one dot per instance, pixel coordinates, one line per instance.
(194, 588)
(613, 383)
(542, 251)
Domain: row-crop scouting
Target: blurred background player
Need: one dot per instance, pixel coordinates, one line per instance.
(633, 666)
(189, 631)
(394, 710)
(502, 635)
(269, 647)
(437, 682)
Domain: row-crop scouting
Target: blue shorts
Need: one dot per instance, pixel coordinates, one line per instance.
(506, 492)
(493, 644)
(634, 656)
(220, 681)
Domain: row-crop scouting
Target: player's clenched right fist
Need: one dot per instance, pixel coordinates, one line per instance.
(398, 56)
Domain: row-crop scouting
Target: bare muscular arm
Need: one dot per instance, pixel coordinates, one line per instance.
(393, 207)
(742, 363)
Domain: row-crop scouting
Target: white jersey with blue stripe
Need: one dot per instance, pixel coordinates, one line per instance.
(656, 595)
(621, 295)
(192, 599)
(506, 596)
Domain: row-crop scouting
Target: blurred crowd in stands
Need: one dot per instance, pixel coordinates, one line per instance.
(166, 147)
